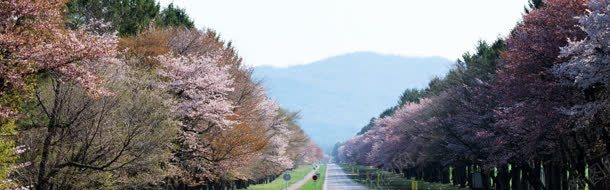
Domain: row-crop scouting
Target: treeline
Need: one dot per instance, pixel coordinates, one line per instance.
(531, 111)
(125, 95)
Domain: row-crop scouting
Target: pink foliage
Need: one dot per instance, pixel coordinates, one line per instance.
(34, 39)
(201, 87)
(528, 113)
(385, 144)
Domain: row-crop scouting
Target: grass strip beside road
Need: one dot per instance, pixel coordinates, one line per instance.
(379, 179)
(319, 183)
(279, 183)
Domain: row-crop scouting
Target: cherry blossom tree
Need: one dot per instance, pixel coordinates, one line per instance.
(257, 130)
(279, 136)
(313, 153)
(402, 123)
(287, 147)
(528, 93)
(526, 119)
(588, 70)
(264, 139)
(226, 120)
(200, 87)
(33, 41)
(529, 121)
(234, 149)
(368, 148)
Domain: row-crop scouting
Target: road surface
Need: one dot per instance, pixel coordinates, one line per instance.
(336, 179)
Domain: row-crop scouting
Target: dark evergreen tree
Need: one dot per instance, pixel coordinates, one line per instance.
(410, 95)
(127, 17)
(367, 126)
(174, 16)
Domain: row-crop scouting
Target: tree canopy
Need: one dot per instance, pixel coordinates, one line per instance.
(528, 110)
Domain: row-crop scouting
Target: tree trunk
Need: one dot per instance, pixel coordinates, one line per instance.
(42, 180)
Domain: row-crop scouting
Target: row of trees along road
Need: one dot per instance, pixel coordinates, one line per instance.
(531, 111)
(124, 95)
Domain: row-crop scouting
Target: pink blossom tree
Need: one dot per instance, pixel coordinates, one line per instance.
(529, 124)
(200, 87)
(33, 41)
(588, 70)
(528, 93)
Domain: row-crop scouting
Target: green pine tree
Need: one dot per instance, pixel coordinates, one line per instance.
(128, 17)
(174, 17)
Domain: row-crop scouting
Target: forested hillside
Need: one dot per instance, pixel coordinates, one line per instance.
(332, 86)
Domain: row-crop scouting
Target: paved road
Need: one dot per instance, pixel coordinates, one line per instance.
(336, 179)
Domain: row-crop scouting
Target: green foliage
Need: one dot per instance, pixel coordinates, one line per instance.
(472, 68)
(12, 99)
(128, 17)
(411, 95)
(483, 63)
(388, 111)
(7, 151)
(437, 85)
(279, 183)
(319, 184)
(174, 17)
(369, 125)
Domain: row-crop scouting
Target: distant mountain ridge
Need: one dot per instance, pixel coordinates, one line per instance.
(337, 96)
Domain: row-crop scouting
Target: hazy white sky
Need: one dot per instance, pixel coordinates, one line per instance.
(290, 32)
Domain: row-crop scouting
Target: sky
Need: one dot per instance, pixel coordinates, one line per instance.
(289, 32)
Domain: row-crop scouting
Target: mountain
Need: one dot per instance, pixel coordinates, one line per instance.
(337, 96)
